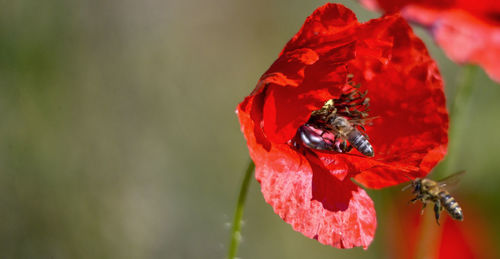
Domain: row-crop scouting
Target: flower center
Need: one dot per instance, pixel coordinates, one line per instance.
(339, 124)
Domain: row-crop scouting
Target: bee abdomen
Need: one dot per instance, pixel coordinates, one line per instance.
(312, 139)
(360, 142)
(451, 205)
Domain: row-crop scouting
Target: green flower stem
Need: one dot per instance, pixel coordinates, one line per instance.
(238, 214)
(458, 108)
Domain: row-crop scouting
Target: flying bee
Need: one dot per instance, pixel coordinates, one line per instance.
(427, 190)
(329, 122)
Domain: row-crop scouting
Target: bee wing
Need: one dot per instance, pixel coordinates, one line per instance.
(451, 180)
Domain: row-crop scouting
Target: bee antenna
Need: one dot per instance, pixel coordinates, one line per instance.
(406, 187)
(409, 185)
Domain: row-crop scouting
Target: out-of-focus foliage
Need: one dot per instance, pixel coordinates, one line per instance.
(119, 139)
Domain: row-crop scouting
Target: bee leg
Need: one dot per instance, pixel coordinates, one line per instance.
(344, 146)
(363, 132)
(437, 211)
(423, 208)
(366, 102)
(336, 146)
(418, 197)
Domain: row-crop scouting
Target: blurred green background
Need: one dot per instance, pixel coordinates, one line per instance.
(119, 137)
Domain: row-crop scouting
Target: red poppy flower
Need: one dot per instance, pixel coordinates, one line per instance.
(311, 189)
(468, 31)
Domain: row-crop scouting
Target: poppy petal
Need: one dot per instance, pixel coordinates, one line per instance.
(468, 31)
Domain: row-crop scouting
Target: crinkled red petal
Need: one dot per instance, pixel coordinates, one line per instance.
(311, 189)
(468, 31)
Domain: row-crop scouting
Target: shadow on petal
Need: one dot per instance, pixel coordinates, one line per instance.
(327, 189)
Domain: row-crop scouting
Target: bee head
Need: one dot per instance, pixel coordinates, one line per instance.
(417, 185)
(339, 123)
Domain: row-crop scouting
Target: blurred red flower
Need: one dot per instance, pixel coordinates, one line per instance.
(468, 31)
(414, 236)
(312, 189)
